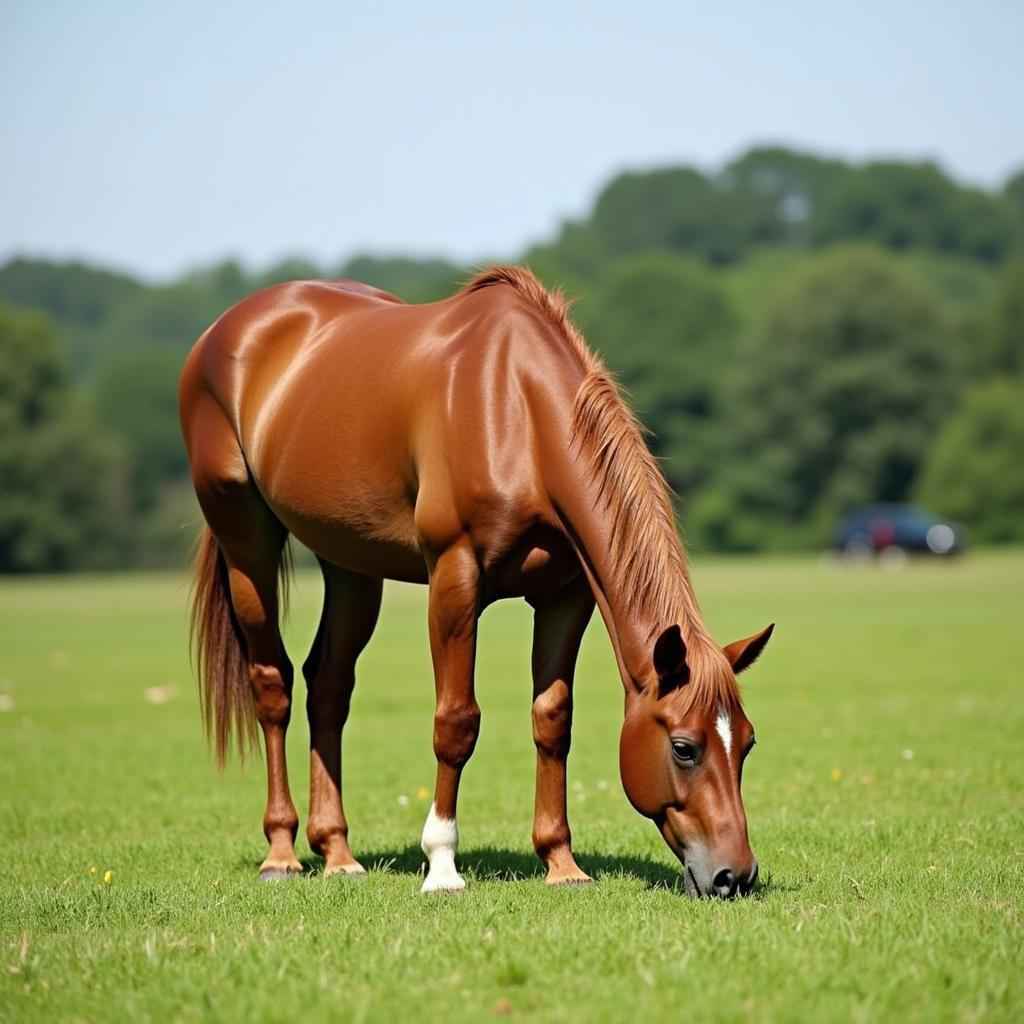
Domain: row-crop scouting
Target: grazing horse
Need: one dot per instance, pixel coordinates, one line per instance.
(478, 445)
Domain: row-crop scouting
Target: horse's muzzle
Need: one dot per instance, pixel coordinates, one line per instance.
(724, 884)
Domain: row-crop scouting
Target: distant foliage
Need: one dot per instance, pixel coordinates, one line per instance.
(136, 399)
(675, 208)
(62, 480)
(799, 333)
(836, 400)
(1007, 353)
(781, 189)
(913, 206)
(973, 473)
(669, 329)
(33, 377)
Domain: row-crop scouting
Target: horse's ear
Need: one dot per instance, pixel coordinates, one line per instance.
(670, 660)
(743, 653)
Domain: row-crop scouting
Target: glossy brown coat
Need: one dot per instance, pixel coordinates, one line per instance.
(475, 444)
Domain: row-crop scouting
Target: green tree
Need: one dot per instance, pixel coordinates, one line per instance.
(782, 189)
(835, 404)
(666, 327)
(1014, 192)
(61, 479)
(1007, 355)
(136, 399)
(77, 299)
(33, 376)
(974, 472)
(991, 337)
(173, 316)
(572, 261)
(905, 206)
(672, 208)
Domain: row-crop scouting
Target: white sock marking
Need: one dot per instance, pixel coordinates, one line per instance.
(440, 841)
(723, 726)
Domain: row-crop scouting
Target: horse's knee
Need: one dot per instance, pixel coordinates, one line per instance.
(552, 721)
(456, 727)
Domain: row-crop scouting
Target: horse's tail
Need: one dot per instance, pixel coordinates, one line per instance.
(219, 654)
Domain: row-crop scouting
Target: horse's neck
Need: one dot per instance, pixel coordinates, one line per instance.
(613, 499)
(632, 628)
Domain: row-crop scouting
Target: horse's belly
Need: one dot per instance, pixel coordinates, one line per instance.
(359, 546)
(358, 516)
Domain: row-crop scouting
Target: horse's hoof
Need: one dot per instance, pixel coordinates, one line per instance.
(569, 881)
(351, 872)
(453, 891)
(278, 874)
(443, 885)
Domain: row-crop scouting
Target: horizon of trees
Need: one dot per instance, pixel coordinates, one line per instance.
(800, 334)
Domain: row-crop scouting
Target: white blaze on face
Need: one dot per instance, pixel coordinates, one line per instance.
(440, 841)
(723, 726)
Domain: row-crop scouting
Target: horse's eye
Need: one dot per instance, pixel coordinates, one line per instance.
(683, 752)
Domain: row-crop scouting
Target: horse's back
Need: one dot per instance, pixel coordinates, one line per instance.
(364, 420)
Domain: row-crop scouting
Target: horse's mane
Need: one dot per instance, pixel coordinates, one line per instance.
(646, 550)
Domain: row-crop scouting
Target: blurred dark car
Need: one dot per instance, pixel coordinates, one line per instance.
(872, 529)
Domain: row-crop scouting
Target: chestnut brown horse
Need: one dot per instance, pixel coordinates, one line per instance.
(478, 445)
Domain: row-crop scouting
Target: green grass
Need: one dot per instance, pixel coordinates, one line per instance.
(885, 806)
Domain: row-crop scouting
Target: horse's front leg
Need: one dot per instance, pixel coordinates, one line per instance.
(454, 607)
(558, 627)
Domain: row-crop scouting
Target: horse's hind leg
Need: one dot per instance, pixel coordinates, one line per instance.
(251, 540)
(254, 597)
(351, 605)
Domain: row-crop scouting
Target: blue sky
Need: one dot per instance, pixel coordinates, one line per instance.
(157, 136)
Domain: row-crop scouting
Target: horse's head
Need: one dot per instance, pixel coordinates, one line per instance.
(681, 756)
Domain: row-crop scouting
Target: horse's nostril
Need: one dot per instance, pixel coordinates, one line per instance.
(724, 883)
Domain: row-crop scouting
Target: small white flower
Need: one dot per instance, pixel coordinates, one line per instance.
(403, 800)
(907, 755)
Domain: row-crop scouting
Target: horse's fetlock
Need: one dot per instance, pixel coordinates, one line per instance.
(281, 819)
(548, 841)
(321, 834)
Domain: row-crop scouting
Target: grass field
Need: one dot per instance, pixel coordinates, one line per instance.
(885, 805)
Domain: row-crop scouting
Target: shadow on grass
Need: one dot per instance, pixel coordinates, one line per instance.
(495, 864)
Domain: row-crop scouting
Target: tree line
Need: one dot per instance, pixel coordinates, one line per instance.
(800, 334)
